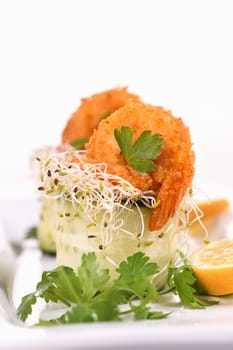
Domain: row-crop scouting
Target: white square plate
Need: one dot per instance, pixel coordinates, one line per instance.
(184, 328)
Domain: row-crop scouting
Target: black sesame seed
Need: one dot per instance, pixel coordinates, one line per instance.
(101, 247)
(161, 235)
(41, 188)
(49, 173)
(91, 236)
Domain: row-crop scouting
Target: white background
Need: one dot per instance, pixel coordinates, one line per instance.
(177, 54)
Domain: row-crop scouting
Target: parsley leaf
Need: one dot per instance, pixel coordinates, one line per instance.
(140, 155)
(60, 285)
(184, 283)
(134, 282)
(88, 296)
(79, 313)
(32, 232)
(64, 285)
(135, 273)
(78, 143)
(91, 277)
(105, 115)
(25, 308)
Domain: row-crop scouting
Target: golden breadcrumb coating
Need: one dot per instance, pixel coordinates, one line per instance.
(86, 118)
(174, 167)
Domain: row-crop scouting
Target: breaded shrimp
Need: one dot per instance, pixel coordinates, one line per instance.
(174, 169)
(86, 118)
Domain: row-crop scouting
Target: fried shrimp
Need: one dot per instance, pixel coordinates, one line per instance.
(174, 168)
(86, 118)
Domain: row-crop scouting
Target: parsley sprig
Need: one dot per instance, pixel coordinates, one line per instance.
(182, 282)
(88, 295)
(140, 155)
(78, 143)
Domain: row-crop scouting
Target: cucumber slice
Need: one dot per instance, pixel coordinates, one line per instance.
(65, 230)
(48, 226)
(111, 248)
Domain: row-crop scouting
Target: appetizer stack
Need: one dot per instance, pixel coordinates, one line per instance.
(119, 183)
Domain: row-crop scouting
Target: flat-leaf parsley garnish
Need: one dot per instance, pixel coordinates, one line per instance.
(140, 155)
(182, 282)
(78, 143)
(105, 115)
(88, 295)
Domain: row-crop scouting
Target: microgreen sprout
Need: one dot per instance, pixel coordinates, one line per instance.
(97, 195)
